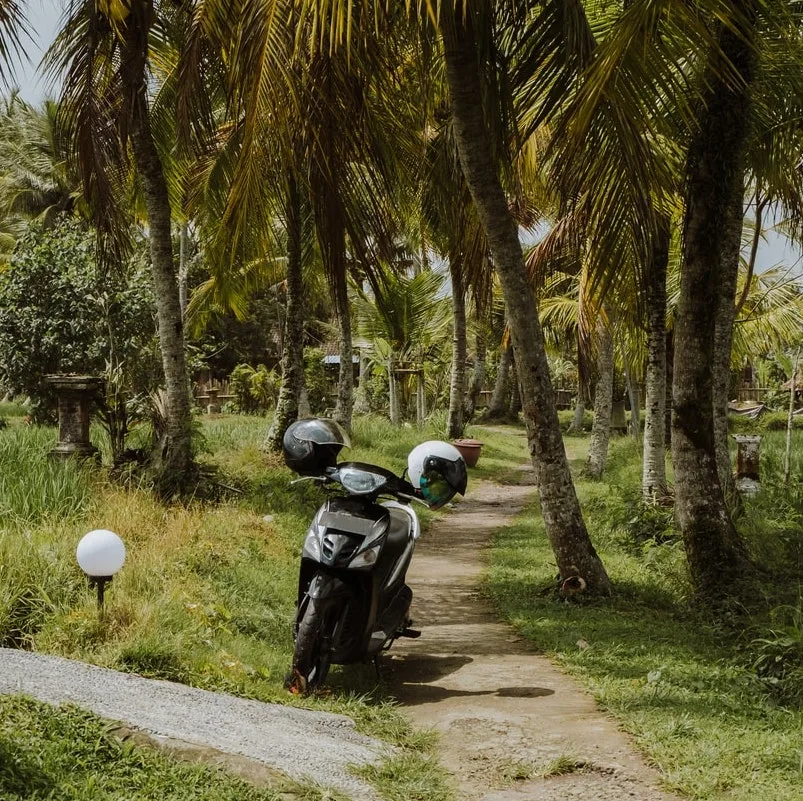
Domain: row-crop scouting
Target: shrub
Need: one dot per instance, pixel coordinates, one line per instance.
(769, 421)
(60, 313)
(255, 390)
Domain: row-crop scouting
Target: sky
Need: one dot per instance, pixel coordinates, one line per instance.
(44, 15)
(43, 18)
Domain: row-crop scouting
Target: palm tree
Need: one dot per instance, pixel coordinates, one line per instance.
(104, 52)
(455, 233)
(324, 115)
(603, 399)
(406, 319)
(563, 518)
(653, 478)
(34, 180)
(716, 166)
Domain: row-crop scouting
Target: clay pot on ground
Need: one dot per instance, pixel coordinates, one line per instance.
(469, 449)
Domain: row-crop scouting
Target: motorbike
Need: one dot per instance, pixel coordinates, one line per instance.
(353, 602)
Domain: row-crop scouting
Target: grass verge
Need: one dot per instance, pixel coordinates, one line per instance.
(685, 684)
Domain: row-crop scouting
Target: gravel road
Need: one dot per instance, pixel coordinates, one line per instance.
(307, 746)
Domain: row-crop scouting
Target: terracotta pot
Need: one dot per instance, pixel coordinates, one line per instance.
(469, 450)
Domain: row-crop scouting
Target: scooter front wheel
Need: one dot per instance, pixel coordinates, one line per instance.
(313, 648)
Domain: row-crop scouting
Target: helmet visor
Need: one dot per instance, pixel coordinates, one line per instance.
(321, 431)
(435, 489)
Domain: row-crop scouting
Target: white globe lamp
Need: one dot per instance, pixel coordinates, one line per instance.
(100, 555)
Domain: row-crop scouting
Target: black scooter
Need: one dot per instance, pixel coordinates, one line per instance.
(352, 598)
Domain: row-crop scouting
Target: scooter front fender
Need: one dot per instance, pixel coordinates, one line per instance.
(325, 586)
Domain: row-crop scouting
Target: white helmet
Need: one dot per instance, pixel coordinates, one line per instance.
(438, 471)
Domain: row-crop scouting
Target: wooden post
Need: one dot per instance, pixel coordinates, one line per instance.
(787, 461)
(421, 399)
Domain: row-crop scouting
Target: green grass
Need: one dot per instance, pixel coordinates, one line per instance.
(32, 485)
(67, 754)
(207, 593)
(12, 410)
(681, 681)
(410, 776)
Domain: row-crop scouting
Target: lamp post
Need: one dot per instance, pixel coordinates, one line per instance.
(100, 555)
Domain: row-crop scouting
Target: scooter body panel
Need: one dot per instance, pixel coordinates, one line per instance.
(372, 602)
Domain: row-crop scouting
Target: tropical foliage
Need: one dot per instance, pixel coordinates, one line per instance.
(61, 313)
(360, 178)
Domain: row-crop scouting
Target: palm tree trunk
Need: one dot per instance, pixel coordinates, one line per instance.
(715, 168)
(576, 426)
(790, 420)
(393, 392)
(635, 405)
(603, 403)
(420, 398)
(669, 383)
(574, 552)
(653, 476)
(498, 404)
(183, 268)
(361, 405)
(345, 382)
(723, 341)
(287, 406)
(477, 377)
(457, 387)
(175, 460)
(515, 407)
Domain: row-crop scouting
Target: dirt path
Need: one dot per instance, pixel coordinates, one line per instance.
(502, 711)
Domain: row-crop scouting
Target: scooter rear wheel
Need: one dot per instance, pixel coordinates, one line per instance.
(313, 649)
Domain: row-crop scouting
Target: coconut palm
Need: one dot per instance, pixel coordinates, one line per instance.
(346, 34)
(104, 52)
(455, 233)
(326, 117)
(406, 320)
(466, 38)
(34, 180)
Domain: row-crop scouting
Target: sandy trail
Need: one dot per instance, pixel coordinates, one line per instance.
(500, 708)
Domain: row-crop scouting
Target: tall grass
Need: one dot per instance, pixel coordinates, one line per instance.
(32, 485)
(41, 499)
(12, 410)
(69, 754)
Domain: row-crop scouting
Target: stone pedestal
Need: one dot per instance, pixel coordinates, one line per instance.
(747, 463)
(213, 407)
(75, 394)
(618, 417)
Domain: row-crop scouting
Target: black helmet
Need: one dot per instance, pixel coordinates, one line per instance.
(310, 446)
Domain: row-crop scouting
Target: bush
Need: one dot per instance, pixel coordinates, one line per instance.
(777, 421)
(60, 313)
(255, 390)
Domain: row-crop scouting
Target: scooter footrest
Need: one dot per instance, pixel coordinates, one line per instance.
(413, 634)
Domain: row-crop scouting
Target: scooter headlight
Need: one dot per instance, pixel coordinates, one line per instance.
(367, 557)
(360, 482)
(312, 544)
